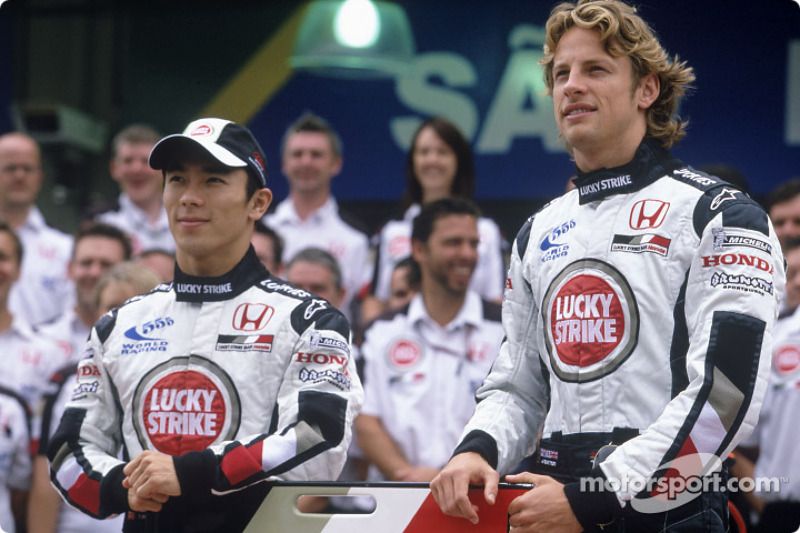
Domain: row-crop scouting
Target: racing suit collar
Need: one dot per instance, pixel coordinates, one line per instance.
(650, 162)
(219, 288)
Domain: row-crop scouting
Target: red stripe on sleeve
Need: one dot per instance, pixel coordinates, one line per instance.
(242, 462)
(86, 494)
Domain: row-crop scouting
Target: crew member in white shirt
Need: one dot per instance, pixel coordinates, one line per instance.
(310, 216)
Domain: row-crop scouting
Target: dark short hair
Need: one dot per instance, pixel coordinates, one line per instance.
(309, 122)
(99, 229)
(6, 228)
(134, 134)
(463, 182)
(422, 226)
(784, 192)
(318, 256)
(790, 245)
(414, 277)
(277, 241)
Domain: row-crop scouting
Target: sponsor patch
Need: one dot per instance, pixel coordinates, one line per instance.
(317, 340)
(314, 307)
(134, 348)
(741, 282)
(404, 353)
(737, 259)
(82, 389)
(551, 246)
(321, 358)
(726, 239)
(786, 359)
(591, 320)
(185, 404)
(639, 244)
(88, 370)
(722, 197)
(252, 316)
(285, 288)
(338, 379)
(648, 214)
(204, 288)
(244, 343)
(694, 177)
(607, 184)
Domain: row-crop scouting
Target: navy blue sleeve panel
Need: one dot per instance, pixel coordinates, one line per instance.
(481, 443)
(321, 312)
(523, 236)
(57, 383)
(105, 325)
(94, 494)
(738, 210)
(731, 371)
(320, 426)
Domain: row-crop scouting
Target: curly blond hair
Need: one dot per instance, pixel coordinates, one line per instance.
(624, 33)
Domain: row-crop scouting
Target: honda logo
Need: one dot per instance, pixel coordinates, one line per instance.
(648, 214)
(252, 317)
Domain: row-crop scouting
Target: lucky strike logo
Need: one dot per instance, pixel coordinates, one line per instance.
(404, 353)
(591, 321)
(786, 359)
(587, 320)
(202, 130)
(183, 411)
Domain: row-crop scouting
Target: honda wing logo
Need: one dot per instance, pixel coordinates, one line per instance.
(252, 317)
(648, 214)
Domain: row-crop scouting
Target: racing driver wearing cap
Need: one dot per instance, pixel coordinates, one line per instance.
(202, 383)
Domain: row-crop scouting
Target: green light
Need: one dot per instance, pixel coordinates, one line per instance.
(357, 24)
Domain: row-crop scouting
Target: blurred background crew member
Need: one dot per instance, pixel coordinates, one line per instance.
(423, 363)
(269, 248)
(46, 512)
(15, 466)
(784, 210)
(158, 261)
(139, 211)
(310, 216)
(43, 290)
(318, 272)
(97, 248)
(439, 165)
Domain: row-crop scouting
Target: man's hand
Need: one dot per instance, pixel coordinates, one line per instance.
(142, 505)
(450, 487)
(543, 508)
(151, 476)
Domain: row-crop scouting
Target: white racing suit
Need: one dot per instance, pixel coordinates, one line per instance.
(240, 377)
(641, 303)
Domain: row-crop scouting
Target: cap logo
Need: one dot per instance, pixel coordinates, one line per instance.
(202, 130)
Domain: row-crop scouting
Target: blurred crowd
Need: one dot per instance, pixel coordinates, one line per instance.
(422, 293)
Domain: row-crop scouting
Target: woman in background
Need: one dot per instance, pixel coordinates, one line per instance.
(439, 164)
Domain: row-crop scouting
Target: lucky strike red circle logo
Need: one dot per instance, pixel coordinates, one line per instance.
(587, 321)
(201, 130)
(183, 411)
(399, 246)
(405, 353)
(786, 359)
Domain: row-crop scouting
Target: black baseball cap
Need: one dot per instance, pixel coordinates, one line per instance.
(229, 143)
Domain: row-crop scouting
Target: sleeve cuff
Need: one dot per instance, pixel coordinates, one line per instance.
(593, 508)
(196, 472)
(481, 443)
(113, 496)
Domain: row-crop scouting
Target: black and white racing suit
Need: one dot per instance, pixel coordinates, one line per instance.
(638, 310)
(240, 377)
